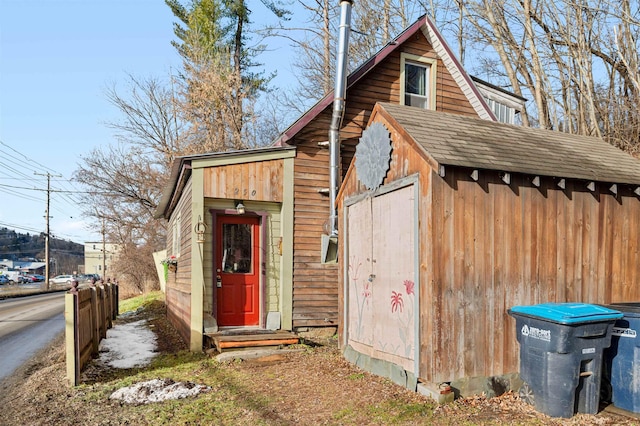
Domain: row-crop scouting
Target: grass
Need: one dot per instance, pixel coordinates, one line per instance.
(236, 396)
(356, 376)
(135, 303)
(388, 412)
(230, 393)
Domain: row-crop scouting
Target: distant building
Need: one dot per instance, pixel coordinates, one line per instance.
(99, 257)
(29, 267)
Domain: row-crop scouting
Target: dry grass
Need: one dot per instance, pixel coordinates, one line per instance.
(309, 387)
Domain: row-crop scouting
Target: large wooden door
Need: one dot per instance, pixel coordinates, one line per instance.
(237, 265)
(382, 295)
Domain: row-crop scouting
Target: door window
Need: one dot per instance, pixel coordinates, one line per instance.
(237, 241)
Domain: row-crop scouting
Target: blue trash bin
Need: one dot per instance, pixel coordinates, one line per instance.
(561, 353)
(621, 375)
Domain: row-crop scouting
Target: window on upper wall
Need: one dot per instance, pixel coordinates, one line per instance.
(505, 105)
(503, 113)
(417, 81)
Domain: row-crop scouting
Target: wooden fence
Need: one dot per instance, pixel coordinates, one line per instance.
(88, 313)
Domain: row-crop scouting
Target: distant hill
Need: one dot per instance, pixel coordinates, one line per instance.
(16, 246)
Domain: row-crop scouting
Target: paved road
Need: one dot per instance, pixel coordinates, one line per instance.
(28, 324)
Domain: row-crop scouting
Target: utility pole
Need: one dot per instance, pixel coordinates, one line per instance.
(46, 233)
(104, 251)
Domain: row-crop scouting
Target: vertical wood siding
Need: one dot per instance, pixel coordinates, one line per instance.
(315, 293)
(256, 180)
(495, 246)
(486, 246)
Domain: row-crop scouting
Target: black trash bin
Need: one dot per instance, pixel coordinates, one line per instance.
(561, 350)
(621, 373)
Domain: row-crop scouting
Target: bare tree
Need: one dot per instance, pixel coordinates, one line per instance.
(564, 57)
(374, 23)
(126, 179)
(208, 107)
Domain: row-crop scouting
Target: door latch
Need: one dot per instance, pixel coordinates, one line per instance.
(218, 281)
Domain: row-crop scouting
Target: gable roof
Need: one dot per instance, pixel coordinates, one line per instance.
(470, 142)
(437, 41)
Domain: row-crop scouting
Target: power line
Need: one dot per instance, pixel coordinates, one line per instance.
(19, 195)
(10, 225)
(24, 157)
(60, 191)
(65, 192)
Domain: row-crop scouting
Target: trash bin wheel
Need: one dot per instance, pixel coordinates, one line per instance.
(526, 393)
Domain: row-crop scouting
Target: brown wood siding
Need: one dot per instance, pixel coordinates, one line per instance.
(539, 245)
(256, 181)
(486, 246)
(315, 301)
(179, 311)
(178, 286)
(311, 173)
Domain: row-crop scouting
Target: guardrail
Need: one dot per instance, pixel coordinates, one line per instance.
(88, 313)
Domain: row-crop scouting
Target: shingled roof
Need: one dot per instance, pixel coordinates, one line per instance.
(458, 140)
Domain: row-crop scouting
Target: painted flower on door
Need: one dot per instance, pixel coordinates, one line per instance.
(401, 308)
(362, 289)
(396, 301)
(408, 286)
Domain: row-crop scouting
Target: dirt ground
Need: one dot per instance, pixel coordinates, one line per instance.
(307, 387)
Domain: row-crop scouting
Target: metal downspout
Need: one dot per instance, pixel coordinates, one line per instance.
(339, 93)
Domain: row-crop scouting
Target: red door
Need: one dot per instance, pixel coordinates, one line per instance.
(238, 284)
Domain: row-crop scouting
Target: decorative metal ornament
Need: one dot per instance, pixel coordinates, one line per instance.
(373, 155)
(200, 228)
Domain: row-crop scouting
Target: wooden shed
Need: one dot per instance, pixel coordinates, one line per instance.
(447, 221)
(286, 186)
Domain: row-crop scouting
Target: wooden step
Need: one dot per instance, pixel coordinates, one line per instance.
(251, 340)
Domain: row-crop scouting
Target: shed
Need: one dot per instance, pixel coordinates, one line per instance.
(448, 220)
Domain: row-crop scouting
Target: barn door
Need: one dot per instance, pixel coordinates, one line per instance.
(237, 264)
(382, 296)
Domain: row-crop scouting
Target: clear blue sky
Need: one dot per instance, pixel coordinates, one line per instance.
(57, 57)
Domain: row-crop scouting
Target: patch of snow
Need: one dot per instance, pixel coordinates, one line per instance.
(128, 345)
(157, 390)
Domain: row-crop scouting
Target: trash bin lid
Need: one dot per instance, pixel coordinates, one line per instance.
(628, 309)
(567, 313)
